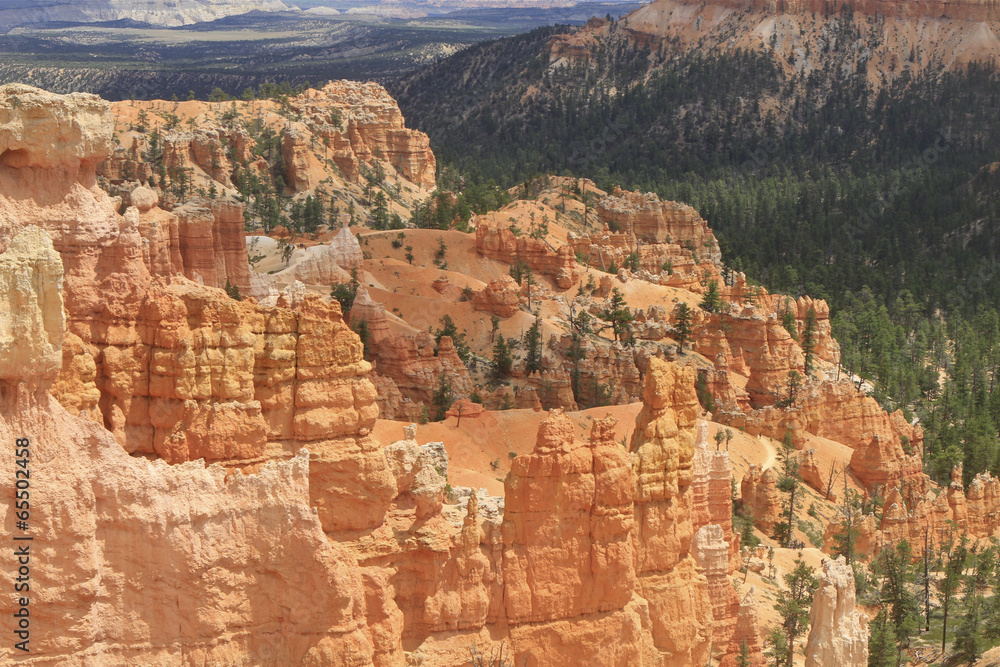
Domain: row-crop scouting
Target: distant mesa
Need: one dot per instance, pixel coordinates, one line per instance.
(153, 12)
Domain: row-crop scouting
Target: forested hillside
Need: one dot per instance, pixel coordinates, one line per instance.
(881, 200)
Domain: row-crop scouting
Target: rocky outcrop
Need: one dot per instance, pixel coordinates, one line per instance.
(420, 471)
(327, 264)
(878, 461)
(31, 313)
(811, 474)
(415, 364)
(300, 162)
(202, 149)
(607, 373)
(500, 297)
(761, 498)
(838, 632)
(711, 485)
(663, 445)
(912, 510)
(88, 492)
(76, 388)
(371, 127)
(983, 505)
(567, 553)
(299, 513)
(210, 242)
(50, 151)
(345, 250)
(651, 220)
(495, 240)
(668, 264)
(949, 34)
(372, 313)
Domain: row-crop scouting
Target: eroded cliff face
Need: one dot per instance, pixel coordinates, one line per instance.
(339, 131)
(495, 240)
(138, 534)
(304, 540)
(373, 127)
(653, 221)
(907, 37)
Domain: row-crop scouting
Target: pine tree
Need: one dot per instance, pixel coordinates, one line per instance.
(233, 291)
(893, 569)
(882, 651)
(362, 330)
(970, 636)
(533, 344)
(777, 646)
(712, 300)
(617, 314)
(576, 353)
(793, 604)
(953, 562)
(845, 541)
(442, 398)
(502, 361)
(743, 659)
(794, 382)
(519, 271)
(346, 293)
(450, 329)
(683, 325)
(787, 483)
(809, 340)
(788, 319)
(380, 215)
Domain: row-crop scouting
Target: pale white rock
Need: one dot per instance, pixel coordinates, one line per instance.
(144, 199)
(40, 129)
(838, 634)
(345, 250)
(49, 148)
(421, 471)
(31, 313)
(711, 551)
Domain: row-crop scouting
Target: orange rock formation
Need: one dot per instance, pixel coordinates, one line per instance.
(495, 240)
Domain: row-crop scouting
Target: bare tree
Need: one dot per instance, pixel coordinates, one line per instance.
(499, 656)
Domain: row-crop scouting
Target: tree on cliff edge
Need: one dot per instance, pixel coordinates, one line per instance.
(809, 340)
(793, 604)
(683, 326)
(712, 301)
(533, 344)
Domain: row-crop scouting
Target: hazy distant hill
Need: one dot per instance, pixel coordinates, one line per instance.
(15, 13)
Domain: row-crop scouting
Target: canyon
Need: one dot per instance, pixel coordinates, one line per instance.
(229, 480)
